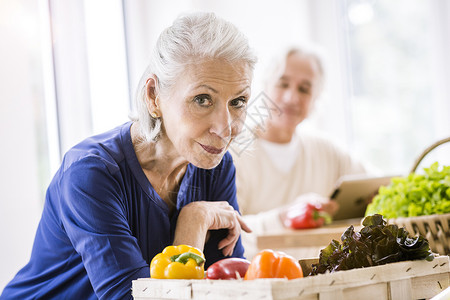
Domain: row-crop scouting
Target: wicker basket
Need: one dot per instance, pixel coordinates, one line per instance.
(436, 228)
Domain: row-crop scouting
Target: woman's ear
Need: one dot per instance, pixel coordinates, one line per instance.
(152, 98)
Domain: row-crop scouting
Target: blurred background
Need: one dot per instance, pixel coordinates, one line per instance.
(69, 69)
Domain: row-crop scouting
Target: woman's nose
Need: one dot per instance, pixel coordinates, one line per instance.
(221, 123)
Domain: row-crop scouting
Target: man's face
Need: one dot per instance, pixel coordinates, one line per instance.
(294, 91)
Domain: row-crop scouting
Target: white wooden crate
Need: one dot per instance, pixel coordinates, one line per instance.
(402, 280)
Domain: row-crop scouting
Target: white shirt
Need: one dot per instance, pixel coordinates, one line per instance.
(283, 156)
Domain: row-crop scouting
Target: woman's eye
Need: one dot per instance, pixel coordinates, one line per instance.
(203, 100)
(238, 102)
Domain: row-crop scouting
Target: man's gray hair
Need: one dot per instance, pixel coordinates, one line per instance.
(191, 38)
(278, 62)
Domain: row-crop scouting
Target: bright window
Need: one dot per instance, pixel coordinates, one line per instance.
(25, 155)
(391, 50)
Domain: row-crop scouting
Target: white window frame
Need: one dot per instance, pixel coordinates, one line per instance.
(90, 69)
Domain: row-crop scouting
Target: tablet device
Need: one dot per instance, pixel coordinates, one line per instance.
(354, 193)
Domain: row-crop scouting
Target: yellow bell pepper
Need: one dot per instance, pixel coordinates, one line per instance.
(178, 262)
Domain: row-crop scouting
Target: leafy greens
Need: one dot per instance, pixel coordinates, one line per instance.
(414, 195)
(377, 243)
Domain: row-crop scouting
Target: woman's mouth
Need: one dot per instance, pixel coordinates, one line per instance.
(211, 149)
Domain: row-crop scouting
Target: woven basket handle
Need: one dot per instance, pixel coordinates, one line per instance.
(428, 150)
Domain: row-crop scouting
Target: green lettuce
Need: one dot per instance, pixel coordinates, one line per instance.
(414, 195)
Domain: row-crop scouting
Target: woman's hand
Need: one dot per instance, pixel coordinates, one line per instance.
(197, 218)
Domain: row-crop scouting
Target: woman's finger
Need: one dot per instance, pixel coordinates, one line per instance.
(244, 225)
(221, 215)
(227, 244)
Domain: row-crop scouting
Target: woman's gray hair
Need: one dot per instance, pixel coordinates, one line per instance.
(192, 37)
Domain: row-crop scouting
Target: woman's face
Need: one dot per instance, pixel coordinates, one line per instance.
(294, 91)
(206, 109)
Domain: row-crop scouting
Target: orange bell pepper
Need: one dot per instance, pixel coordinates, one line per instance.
(273, 264)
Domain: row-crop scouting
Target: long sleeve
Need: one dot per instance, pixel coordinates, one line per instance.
(93, 215)
(103, 222)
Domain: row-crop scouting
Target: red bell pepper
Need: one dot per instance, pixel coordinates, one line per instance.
(306, 216)
(228, 268)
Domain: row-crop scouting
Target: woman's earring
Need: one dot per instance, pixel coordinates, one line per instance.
(155, 114)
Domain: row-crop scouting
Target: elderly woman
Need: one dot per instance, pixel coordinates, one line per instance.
(285, 166)
(165, 178)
